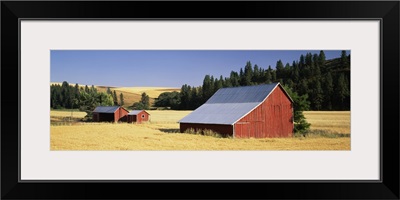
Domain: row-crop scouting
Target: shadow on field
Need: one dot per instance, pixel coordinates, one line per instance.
(169, 130)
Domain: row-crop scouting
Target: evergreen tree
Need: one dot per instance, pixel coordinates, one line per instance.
(321, 58)
(109, 90)
(342, 91)
(185, 97)
(296, 73)
(302, 62)
(218, 84)
(67, 95)
(145, 100)
(268, 75)
(212, 86)
(301, 126)
(317, 96)
(227, 83)
(303, 87)
(279, 69)
(343, 60)
(273, 76)
(195, 99)
(87, 89)
(328, 91)
(115, 98)
(256, 74)
(93, 90)
(248, 74)
(121, 99)
(308, 59)
(234, 78)
(206, 87)
(76, 96)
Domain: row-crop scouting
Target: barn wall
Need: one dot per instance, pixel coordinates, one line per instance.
(273, 118)
(120, 114)
(222, 129)
(140, 119)
(123, 115)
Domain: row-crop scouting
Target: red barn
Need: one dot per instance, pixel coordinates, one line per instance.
(109, 114)
(138, 116)
(242, 112)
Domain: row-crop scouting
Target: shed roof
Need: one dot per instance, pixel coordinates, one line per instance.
(228, 105)
(106, 109)
(135, 112)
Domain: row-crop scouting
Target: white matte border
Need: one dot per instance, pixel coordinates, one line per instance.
(39, 37)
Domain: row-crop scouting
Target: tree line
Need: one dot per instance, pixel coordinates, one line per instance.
(325, 84)
(66, 96)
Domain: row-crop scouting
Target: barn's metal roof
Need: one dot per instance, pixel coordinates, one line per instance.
(228, 105)
(134, 112)
(106, 109)
(245, 94)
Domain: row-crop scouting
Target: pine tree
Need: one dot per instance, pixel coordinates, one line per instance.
(308, 59)
(302, 61)
(268, 75)
(87, 89)
(185, 97)
(321, 58)
(121, 99)
(115, 98)
(296, 73)
(342, 91)
(76, 96)
(93, 90)
(279, 69)
(343, 60)
(328, 91)
(109, 90)
(218, 84)
(273, 76)
(256, 74)
(248, 74)
(317, 98)
(301, 126)
(145, 100)
(234, 78)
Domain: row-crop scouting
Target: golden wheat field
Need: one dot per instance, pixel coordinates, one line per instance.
(337, 121)
(162, 133)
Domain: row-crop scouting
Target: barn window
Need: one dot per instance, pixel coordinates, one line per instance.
(142, 116)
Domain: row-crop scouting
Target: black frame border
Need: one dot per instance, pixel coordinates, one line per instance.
(386, 11)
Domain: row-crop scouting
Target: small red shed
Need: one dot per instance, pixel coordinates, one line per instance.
(138, 116)
(109, 114)
(250, 111)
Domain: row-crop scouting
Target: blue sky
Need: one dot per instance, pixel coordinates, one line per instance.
(160, 68)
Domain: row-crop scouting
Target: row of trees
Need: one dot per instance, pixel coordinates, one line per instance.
(66, 96)
(83, 98)
(324, 83)
(73, 97)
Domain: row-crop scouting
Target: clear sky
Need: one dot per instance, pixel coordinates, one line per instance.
(160, 68)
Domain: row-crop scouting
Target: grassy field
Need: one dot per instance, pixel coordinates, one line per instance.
(162, 133)
(132, 94)
(337, 121)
